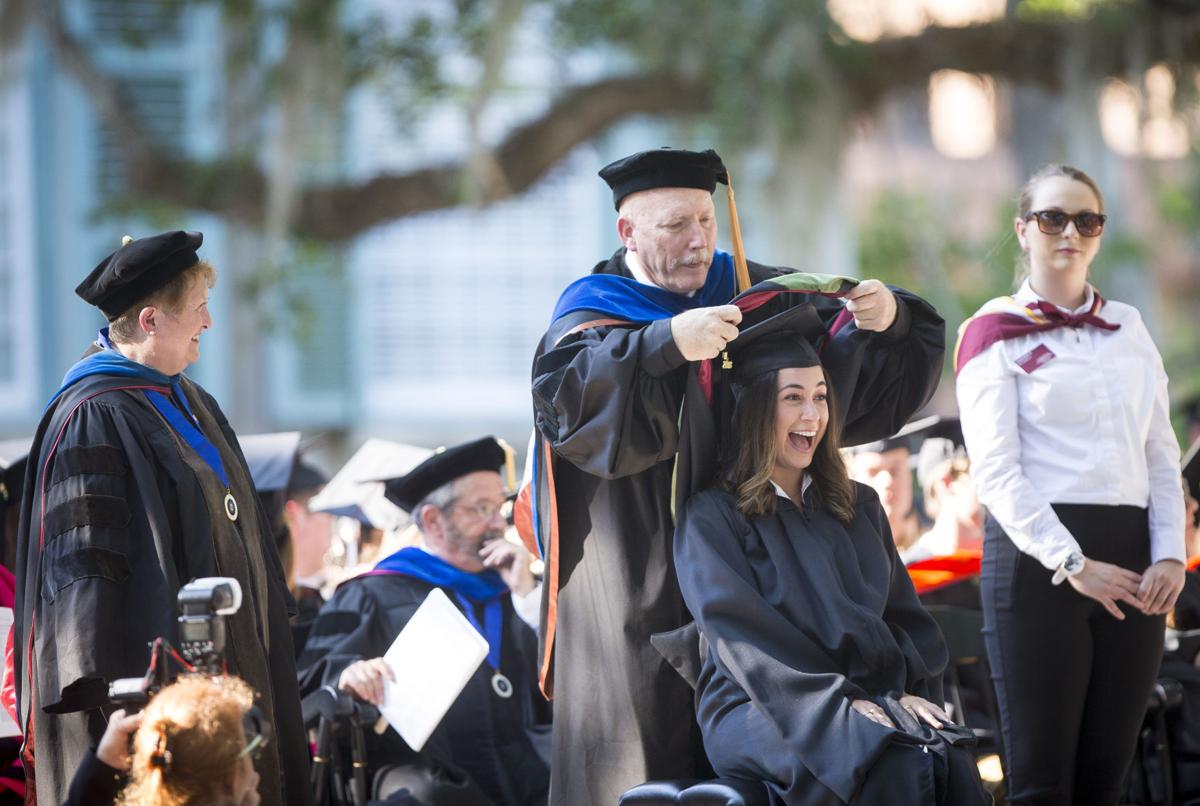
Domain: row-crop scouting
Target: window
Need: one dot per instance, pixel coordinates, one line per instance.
(135, 22)
(17, 348)
(458, 299)
(158, 102)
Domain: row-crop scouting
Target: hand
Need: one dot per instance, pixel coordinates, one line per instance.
(511, 561)
(703, 332)
(113, 749)
(873, 305)
(872, 712)
(923, 709)
(1108, 584)
(364, 679)
(1161, 585)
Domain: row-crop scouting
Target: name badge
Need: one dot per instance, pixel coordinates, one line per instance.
(1036, 358)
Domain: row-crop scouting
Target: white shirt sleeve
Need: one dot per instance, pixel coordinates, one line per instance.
(988, 405)
(1167, 511)
(529, 606)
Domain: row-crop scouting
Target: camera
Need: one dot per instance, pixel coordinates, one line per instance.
(203, 605)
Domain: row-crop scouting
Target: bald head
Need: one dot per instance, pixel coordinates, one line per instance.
(673, 233)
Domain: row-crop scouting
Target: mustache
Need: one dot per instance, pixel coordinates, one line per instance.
(700, 256)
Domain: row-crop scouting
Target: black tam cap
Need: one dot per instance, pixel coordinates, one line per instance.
(446, 465)
(784, 340)
(664, 168)
(139, 268)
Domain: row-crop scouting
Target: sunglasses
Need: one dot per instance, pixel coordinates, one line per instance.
(1052, 222)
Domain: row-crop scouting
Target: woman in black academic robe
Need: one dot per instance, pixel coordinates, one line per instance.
(821, 671)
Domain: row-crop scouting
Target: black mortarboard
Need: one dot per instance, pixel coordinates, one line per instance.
(277, 464)
(664, 168)
(935, 441)
(446, 465)
(139, 268)
(279, 473)
(1191, 469)
(271, 458)
(783, 340)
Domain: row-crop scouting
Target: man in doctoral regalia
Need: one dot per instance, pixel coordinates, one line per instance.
(495, 732)
(609, 379)
(137, 485)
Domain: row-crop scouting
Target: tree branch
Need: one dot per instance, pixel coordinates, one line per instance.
(1022, 51)
(343, 211)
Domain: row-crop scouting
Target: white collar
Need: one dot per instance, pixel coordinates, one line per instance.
(804, 485)
(1026, 294)
(639, 272)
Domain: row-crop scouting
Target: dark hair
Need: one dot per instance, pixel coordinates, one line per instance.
(1025, 199)
(124, 328)
(753, 454)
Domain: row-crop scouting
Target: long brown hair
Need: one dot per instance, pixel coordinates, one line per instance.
(188, 743)
(753, 454)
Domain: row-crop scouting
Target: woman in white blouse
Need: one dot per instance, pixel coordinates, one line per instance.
(1063, 400)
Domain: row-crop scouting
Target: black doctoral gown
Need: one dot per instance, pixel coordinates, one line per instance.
(118, 513)
(802, 614)
(608, 401)
(493, 740)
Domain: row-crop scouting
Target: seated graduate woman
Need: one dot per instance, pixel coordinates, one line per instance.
(820, 671)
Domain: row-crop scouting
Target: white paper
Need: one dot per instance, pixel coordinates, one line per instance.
(7, 726)
(432, 658)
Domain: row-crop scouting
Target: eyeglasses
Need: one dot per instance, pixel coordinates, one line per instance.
(483, 511)
(1052, 222)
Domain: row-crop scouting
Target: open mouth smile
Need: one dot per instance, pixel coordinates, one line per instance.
(802, 440)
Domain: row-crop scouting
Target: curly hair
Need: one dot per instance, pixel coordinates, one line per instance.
(189, 742)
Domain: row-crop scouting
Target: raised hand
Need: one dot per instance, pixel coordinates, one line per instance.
(873, 305)
(703, 332)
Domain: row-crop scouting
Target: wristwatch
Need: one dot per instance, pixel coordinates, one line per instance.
(1069, 567)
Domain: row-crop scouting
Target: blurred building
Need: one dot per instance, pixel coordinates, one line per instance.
(422, 330)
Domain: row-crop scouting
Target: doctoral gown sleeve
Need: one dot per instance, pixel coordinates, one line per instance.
(916, 633)
(881, 380)
(100, 529)
(607, 399)
(787, 675)
(353, 625)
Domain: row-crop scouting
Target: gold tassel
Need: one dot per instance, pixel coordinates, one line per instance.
(510, 464)
(735, 231)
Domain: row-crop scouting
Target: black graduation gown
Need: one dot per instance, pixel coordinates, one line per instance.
(493, 740)
(608, 401)
(801, 615)
(117, 514)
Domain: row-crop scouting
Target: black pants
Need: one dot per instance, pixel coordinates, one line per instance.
(1072, 682)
